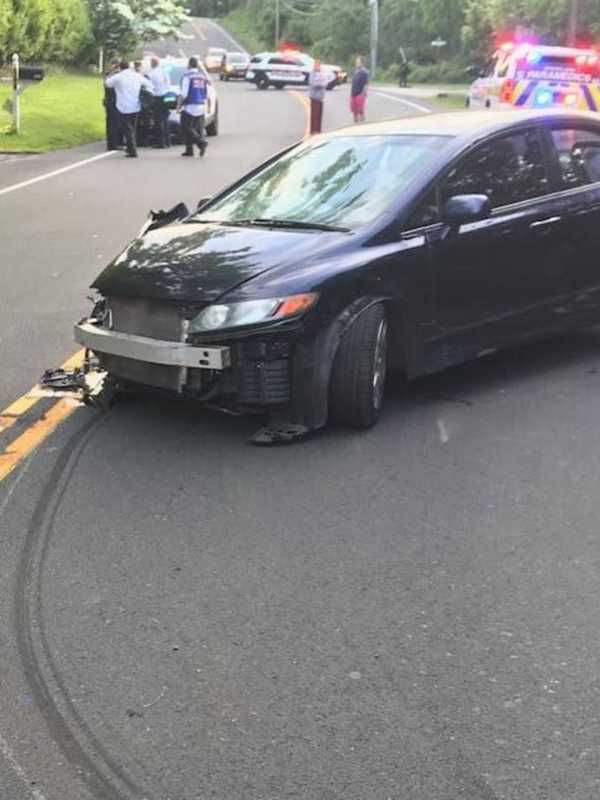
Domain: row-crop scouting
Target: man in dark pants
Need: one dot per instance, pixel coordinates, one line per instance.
(127, 84)
(193, 103)
(160, 112)
(114, 136)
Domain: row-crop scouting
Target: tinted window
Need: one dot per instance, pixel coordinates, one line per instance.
(345, 180)
(578, 156)
(508, 169)
(426, 213)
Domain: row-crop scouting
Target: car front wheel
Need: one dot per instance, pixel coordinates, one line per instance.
(213, 128)
(359, 371)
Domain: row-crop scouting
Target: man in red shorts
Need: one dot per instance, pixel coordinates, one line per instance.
(358, 94)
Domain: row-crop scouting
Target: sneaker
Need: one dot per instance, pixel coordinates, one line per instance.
(187, 154)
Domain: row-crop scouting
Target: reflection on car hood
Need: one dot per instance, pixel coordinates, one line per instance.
(199, 262)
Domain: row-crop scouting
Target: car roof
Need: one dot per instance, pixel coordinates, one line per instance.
(463, 124)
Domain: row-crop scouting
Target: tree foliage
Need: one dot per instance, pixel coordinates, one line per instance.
(338, 29)
(68, 31)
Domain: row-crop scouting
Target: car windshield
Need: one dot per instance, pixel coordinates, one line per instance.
(346, 180)
(236, 58)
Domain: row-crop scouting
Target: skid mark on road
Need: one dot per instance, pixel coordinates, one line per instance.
(9, 757)
(39, 430)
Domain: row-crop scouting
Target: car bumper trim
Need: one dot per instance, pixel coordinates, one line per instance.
(153, 351)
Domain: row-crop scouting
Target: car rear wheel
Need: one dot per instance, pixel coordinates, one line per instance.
(359, 371)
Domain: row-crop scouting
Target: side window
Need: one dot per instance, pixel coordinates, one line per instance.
(426, 213)
(578, 153)
(507, 169)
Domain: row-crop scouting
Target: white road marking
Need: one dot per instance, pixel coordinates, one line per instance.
(444, 438)
(417, 106)
(9, 756)
(55, 172)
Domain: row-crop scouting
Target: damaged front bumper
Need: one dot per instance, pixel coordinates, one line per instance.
(153, 351)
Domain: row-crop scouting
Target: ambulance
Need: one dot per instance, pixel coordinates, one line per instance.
(538, 76)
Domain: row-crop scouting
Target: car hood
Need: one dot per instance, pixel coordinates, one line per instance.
(199, 262)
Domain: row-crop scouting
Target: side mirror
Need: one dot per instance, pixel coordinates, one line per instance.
(203, 202)
(473, 71)
(465, 208)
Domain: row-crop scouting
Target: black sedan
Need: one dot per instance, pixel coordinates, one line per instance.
(414, 243)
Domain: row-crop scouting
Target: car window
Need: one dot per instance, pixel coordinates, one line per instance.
(255, 60)
(507, 169)
(578, 156)
(426, 213)
(346, 180)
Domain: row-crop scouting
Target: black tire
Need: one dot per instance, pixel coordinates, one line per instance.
(468, 102)
(213, 128)
(359, 370)
(262, 84)
(280, 85)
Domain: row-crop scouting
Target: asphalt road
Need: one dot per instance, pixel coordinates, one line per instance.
(409, 613)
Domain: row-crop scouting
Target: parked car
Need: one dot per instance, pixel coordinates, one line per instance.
(215, 59)
(174, 69)
(413, 243)
(236, 65)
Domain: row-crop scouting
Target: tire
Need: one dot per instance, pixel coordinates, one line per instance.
(488, 103)
(262, 84)
(280, 85)
(468, 102)
(213, 128)
(359, 370)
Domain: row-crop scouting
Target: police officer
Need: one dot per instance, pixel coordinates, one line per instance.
(193, 104)
(114, 135)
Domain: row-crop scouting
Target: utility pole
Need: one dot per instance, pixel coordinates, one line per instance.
(374, 34)
(572, 24)
(277, 23)
(16, 106)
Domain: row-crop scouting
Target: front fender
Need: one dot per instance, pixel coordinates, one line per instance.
(313, 362)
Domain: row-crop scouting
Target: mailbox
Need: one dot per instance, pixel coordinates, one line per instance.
(31, 73)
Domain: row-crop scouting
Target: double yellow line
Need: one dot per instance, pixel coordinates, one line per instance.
(36, 433)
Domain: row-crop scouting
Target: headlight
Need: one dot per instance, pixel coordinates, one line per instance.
(251, 312)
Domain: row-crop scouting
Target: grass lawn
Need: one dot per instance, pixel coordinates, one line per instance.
(64, 110)
(452, 102)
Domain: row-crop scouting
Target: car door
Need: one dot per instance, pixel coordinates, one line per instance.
(496, 280)
(576, 149)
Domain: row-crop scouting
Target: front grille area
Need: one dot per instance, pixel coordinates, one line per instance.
(146, 318)
(158, 375)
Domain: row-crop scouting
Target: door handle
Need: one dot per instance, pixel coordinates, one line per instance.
(545, 223)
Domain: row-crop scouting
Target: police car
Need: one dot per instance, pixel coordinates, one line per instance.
(275, 69)
(539, 76)
(291, 68)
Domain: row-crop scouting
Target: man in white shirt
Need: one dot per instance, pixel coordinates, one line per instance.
(127, 84)
(160, 112)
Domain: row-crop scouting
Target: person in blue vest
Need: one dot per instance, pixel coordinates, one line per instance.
(193, 104)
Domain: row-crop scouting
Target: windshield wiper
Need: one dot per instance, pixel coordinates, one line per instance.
(289, 223)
